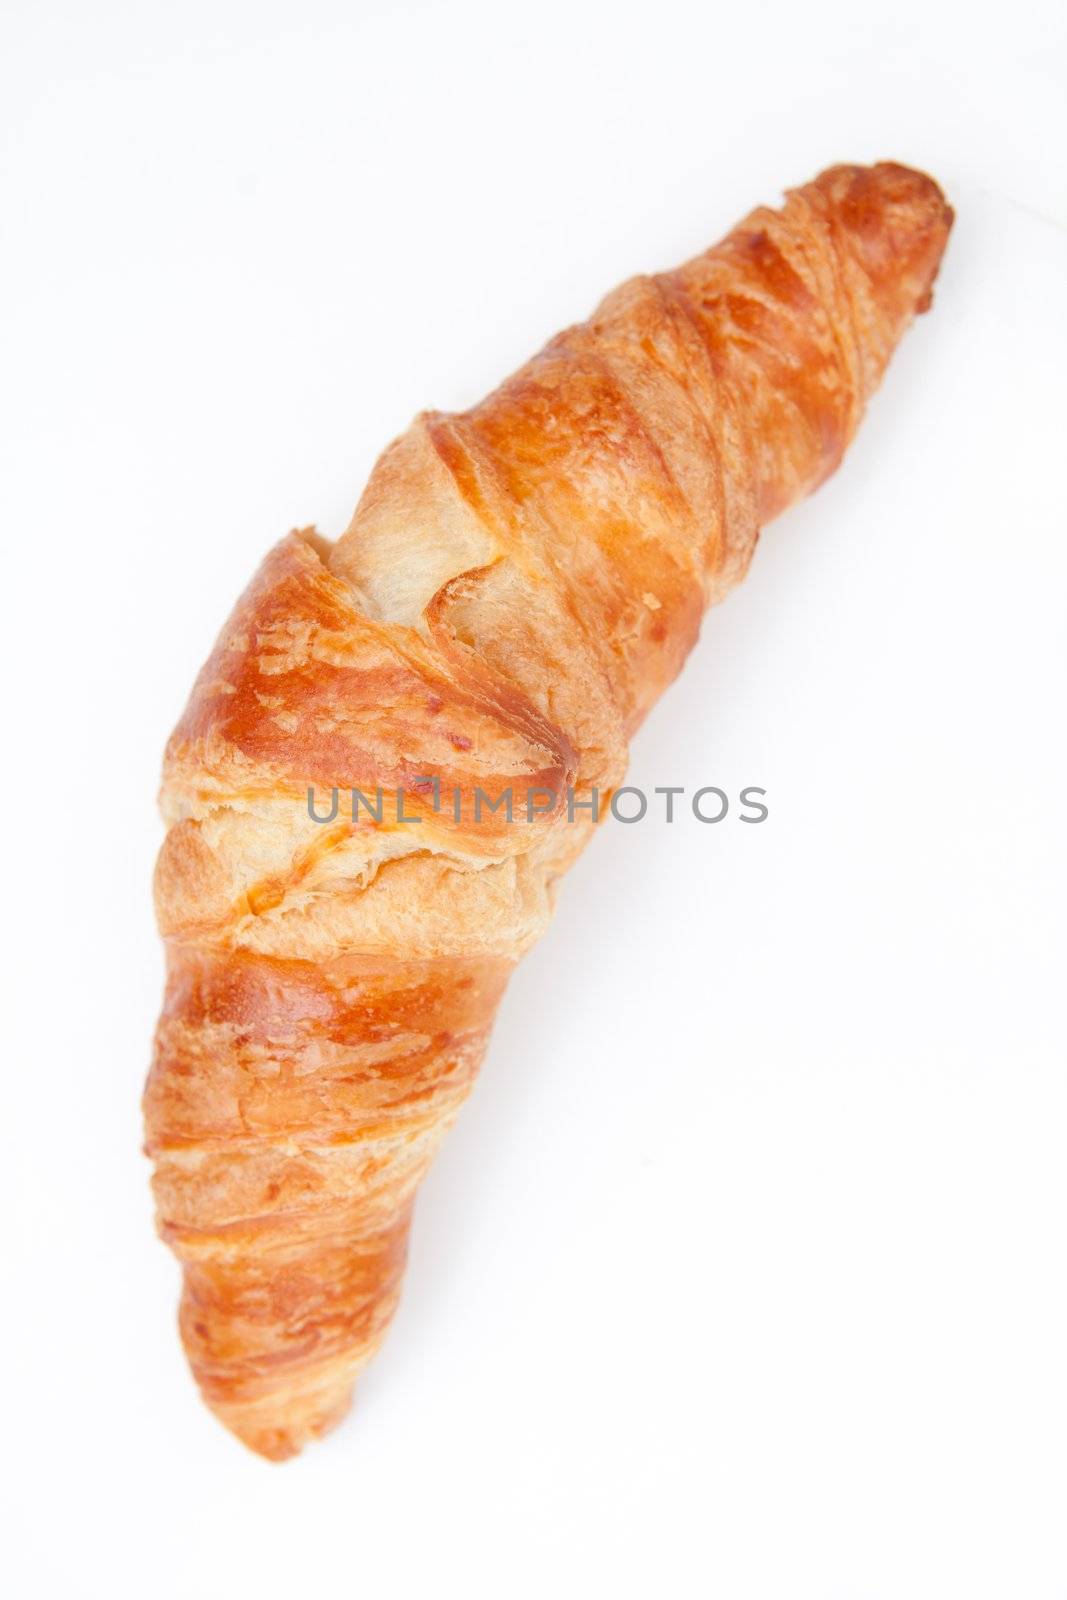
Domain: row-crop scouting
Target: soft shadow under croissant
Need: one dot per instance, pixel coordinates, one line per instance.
(518, 585)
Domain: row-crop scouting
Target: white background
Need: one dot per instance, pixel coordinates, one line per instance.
(744, 1273)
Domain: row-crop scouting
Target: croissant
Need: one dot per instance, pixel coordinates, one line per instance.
(518, 585)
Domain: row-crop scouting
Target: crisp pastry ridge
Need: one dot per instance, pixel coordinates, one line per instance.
(517, 586)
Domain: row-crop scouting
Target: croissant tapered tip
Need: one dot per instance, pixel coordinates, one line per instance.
(897, 221)
(279, 1431)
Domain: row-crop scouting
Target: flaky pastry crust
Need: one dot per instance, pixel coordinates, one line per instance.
(518, 585)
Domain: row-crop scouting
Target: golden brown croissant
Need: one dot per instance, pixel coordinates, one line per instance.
(518, 585)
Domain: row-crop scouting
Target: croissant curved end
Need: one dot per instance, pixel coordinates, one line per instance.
(898, 221)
